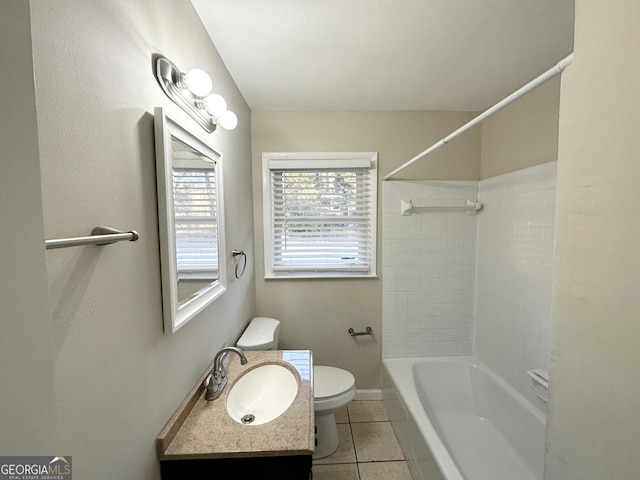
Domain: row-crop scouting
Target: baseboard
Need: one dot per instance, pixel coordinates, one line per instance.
(368, 394)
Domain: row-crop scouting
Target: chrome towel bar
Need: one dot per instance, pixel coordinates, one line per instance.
(99, 236)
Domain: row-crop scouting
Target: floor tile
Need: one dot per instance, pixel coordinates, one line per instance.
(342, 416)
(347, 471)
(367, 411)
(384, 470)
(375, 442)
(345, 452)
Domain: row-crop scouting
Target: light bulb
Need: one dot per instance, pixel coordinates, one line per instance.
(228, 120)
(215, 105)
(198, 82)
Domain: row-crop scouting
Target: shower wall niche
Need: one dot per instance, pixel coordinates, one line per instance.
(459, 284)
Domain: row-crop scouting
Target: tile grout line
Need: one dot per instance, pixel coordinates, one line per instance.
(353, 442)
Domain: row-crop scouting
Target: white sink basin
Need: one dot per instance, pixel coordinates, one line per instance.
(262, 394)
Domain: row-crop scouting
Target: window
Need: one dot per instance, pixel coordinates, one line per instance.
(320, 214)
(195, 210)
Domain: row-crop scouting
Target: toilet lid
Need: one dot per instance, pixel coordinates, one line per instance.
(330, 381)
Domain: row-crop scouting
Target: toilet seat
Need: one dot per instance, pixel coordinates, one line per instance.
(333, 388)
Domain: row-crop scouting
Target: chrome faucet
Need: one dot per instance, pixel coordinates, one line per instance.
(217, 379)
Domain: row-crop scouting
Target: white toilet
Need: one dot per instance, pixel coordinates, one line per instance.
(333, 387)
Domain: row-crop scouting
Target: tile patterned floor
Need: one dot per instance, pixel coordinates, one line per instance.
(368, 448)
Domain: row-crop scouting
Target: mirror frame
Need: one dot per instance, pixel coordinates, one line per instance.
(175, 314)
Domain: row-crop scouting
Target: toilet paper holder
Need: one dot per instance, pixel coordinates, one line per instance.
(353, 333)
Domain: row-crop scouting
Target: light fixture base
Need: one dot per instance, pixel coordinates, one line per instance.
(169, 76)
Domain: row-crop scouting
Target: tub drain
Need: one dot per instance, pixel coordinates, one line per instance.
(248, 418)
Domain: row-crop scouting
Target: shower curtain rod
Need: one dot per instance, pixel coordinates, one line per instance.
(536, 82)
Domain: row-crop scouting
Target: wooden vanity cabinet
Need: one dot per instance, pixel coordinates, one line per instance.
(294, 467)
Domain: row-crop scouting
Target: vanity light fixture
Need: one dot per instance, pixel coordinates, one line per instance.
(192, 92)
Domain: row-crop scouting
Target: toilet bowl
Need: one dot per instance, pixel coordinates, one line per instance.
(333, 388)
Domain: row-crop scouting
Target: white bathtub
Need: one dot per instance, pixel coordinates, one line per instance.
(455, 420)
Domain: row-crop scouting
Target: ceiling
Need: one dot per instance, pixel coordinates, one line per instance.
(459, 55)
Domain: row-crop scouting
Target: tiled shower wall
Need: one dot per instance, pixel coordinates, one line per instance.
(445, 295)
(428, 269)
(515, 273)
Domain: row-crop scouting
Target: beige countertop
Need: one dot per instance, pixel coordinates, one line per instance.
(203, 429)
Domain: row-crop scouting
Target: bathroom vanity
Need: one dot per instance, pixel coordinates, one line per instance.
(202, 440)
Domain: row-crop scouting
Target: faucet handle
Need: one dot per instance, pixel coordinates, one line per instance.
(213, 385)
(217, 379)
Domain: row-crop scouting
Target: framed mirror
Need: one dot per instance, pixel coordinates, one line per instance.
(191, 222)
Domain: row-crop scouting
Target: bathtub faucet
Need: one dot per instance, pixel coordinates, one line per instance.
(217, 379)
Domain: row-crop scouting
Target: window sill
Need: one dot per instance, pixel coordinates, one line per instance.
(319, 276)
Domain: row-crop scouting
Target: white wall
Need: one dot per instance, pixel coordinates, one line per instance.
(523, 134)
(428, 261)
(593, 428)
(515, 273)
(27, 409)
(102, 377)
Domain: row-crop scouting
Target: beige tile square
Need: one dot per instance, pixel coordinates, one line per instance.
(375, 442)
(386, 470)
(367, 411)
(342, 416)
(345, 452)
(347, 471)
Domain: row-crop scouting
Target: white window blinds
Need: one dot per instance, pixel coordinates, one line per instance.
(196, 226)
(322, 217)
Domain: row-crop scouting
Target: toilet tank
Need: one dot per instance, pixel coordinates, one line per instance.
(261, 334)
